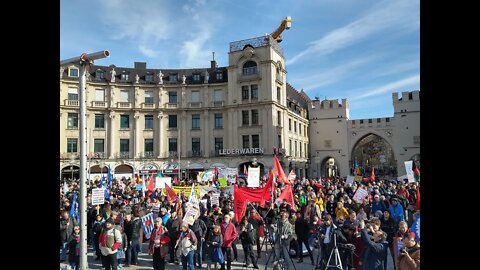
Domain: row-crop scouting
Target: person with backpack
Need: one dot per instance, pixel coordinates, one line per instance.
(110, 240)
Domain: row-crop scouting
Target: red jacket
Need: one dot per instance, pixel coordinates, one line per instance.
(229, 234)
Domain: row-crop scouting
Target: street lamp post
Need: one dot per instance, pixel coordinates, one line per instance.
(85, 60)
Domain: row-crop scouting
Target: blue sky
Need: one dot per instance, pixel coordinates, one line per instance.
(362, 50)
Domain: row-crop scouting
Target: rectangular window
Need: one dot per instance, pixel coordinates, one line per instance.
(279, 141)
(196, 147)
(124, 96)
(100, 75)
(124, 77)
(245, 121)
(290, 124)
(99, 120)
(369, 121)
(361, 121)
(254, 91)
(124, 145)
(196, 77)
(72, 120)
(99, 94)
(72, 94)
(149, 97)
(306, 149)
(125, 121)
(195, 121)
(172, 78)
(379, 120)
(98, 145)
(294, 126)
(299, 128)
(296, 149)
(278, 94)
(172, 97)
(218, 120)
(195, 96)
(245, 92)
(148, 145)
(218, 95)
(149, 78)
(279, 118)
(172, 121)
(254, 117)
(246, 141)
(73, 72)
(300, 145)
(255, 141)
(72, 145)
(387, 119)
(218, 145)
(291, 148)
(219, 76)
(148, 121)
(172, 145)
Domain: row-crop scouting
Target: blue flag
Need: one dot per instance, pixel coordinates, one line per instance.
(109, 176)
(73, 207)
(415, 228)
(103, 185)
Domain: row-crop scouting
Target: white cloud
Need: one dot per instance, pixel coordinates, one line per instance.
(193, 53)
(147, 51)
(391, 87)
(387, 15)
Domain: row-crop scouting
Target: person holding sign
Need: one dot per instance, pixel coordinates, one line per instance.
(376, 250)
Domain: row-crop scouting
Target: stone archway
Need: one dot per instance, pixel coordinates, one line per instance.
(71, 172)
(329, 167)
(374, 151)
(123, 170)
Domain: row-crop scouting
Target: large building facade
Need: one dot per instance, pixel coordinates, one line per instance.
(181, 121)
(382, 143)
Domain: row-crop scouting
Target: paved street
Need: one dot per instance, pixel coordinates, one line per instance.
(145, 262)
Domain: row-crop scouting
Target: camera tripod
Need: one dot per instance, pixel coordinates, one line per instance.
(269, 238)
(279, 263)
(334, 258)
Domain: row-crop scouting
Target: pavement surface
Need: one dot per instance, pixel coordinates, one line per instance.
(145, 261)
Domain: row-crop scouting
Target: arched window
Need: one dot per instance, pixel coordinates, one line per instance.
(249, 68)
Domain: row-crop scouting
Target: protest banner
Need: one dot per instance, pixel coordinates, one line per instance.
(360, 195)
(253, 177)
(98, 196)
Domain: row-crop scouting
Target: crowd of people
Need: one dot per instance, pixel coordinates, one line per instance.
(323, 216)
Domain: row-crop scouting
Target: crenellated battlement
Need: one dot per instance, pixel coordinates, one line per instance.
(407, 96)
(329, 104)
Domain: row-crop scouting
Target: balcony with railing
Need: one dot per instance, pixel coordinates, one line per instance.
(195, 104)
(148, 106)
(148, 154)
(171, 105)
(69, 155)
(124, 105)
(170, 154)
(99, 104)
(97, 155)
(194, 153)
(123, 155)
(218, 103)
(71, 103)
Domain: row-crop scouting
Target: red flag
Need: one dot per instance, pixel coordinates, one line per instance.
(151, 183)
(171, 195)
(418, 199)
(288, 195)
(239, 202)
(282, 178)
(373, 174)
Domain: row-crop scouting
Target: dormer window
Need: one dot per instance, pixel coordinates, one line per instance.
(100, 75)
(73, 72)
(196, 77)
(149, 78)
(172, 78)
(219, 76)
(124, 77)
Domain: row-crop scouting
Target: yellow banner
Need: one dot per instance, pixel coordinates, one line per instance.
(358, 178)
(186, 190)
